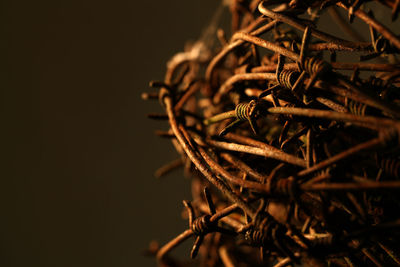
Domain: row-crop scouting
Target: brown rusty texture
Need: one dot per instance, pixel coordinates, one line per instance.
(293, 156)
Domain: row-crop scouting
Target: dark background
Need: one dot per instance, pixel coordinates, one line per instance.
(78, 153)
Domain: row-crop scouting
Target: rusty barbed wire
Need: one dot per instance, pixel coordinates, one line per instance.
(299, 158)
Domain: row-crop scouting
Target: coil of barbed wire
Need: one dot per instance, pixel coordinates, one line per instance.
(298, 152)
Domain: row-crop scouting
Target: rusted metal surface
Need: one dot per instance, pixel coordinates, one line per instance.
(300, 160)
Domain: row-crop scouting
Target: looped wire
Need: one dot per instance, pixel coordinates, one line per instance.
(242, 111)
(314, 65)
(287, 78)
(389, 165)
(356, 108)
(203, 225)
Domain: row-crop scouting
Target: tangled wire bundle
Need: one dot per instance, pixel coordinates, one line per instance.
(293, 156)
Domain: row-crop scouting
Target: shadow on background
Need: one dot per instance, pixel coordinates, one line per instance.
(78, 152)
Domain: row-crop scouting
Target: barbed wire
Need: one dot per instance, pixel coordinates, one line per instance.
(300, 157)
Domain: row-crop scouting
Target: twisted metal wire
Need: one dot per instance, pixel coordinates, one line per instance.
(315, 65)
(389, 165)
(356, 108)
(242, 111)
(297, 186)
(203, 225)
(287, 78)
